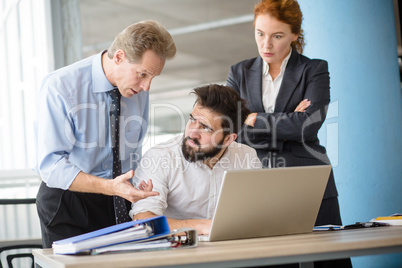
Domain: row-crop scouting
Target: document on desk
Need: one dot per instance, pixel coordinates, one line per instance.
(328, 227)
(394, 219)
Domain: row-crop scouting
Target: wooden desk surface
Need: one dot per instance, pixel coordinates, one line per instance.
(247, 252)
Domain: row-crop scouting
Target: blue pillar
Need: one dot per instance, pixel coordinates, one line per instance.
(364, 123)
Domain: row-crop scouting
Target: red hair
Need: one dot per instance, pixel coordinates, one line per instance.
(286, 11)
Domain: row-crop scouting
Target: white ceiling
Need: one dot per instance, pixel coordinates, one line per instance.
(210, 36)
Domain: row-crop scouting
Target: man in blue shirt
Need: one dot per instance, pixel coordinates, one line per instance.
(74, 146)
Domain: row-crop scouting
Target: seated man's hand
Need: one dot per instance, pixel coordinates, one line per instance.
(203, 226)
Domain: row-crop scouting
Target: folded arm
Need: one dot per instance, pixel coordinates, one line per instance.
(303, 121)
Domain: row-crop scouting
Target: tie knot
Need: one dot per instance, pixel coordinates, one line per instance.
(115, 94)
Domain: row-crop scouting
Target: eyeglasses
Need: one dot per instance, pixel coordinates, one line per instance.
(202, 126)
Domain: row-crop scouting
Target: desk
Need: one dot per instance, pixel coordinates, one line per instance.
(247, 252)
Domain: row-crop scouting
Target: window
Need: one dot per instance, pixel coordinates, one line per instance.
(25, 60)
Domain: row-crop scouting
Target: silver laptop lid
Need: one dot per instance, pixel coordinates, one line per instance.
(268, 202)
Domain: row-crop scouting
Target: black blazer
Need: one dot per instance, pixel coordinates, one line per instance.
(304, 78)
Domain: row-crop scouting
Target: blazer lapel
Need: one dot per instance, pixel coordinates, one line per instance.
(291, 78)
(253, 77)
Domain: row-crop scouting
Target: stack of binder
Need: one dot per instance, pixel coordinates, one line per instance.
(146, 234)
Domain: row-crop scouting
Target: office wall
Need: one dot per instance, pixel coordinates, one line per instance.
(364, 123)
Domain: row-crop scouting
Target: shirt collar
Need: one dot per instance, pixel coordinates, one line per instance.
(99, 80)
(265, 68)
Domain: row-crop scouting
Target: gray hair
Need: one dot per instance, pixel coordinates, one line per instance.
(142, 36)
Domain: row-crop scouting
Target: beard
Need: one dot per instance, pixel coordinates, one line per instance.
(193, 155)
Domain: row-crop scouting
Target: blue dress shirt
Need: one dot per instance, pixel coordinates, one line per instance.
(72, 131)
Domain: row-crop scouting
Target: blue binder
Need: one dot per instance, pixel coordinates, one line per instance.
(158, 225)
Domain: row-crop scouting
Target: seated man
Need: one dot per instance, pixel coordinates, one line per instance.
(188, 169)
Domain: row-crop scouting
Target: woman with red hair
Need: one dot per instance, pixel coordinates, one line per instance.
(288, 96)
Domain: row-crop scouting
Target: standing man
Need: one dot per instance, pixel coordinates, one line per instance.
(84, 162)
(188, 169)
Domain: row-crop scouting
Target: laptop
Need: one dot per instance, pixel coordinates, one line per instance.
(268, 202)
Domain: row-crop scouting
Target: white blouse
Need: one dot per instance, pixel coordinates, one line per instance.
(270, 87)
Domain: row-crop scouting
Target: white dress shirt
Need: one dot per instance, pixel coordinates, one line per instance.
(187, 190)
(270, 87)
